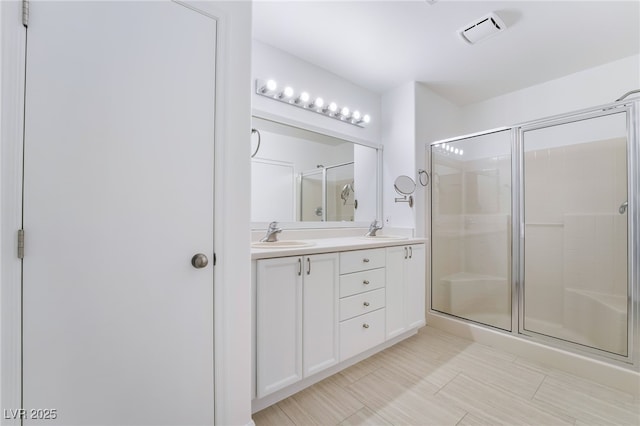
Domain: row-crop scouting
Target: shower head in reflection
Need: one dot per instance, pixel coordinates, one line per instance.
(346, 191)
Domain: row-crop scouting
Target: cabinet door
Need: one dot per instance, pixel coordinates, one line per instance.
(278, 323)
(415, 286)
(320, 312)
(395, 290)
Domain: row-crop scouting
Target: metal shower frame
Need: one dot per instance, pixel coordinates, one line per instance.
(632, 110)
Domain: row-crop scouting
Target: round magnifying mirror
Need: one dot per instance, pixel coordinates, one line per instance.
(404, 185)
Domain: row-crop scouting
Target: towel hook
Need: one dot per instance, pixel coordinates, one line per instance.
(423, 174)
(257, 147)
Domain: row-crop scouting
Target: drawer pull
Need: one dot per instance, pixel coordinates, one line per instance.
(365, 260)
(365, 282)
(366, 303)
(365, 325)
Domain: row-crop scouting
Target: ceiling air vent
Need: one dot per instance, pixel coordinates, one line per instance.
(483, 28)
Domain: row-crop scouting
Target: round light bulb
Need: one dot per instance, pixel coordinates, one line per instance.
(318, 103)
(304, 97)
(456, 151)
(461, 152)
(333, 107)
(288, 92)
(366, 118)
(356, 115)
(344, 112)
(272, 85)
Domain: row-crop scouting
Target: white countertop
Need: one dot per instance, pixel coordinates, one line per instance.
(328, 245)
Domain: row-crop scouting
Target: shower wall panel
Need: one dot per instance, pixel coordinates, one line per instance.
(575, 237)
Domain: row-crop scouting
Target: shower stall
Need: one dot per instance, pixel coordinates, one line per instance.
(534, 230)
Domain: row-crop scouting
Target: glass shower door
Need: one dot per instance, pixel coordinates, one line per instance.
(471, 228)
(575, 218)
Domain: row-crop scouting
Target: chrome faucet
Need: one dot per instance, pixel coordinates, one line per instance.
(272, 233)
(373, 228)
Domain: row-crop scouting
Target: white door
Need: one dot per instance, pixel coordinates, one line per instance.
(320, 313)
(278, 323)
(118, 324)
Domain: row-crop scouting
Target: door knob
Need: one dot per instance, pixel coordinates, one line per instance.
(199, 261)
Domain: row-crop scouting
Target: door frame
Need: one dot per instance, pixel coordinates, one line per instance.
(232, 279)
(13, 39)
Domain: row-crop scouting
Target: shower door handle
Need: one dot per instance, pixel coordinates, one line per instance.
(623, 207)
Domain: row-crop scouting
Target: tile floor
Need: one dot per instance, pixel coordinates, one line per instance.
(435, 378)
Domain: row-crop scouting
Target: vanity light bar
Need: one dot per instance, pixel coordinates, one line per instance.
(270, 89)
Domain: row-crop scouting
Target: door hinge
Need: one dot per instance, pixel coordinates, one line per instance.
(25, 13)
(20, 243)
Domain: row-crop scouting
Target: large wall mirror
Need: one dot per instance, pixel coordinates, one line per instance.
(308, 179)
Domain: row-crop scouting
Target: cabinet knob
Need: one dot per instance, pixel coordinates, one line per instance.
(365, 325)
(366, 303)
(365, 282)
(365, 260)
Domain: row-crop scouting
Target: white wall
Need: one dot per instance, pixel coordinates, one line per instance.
(399, 139)
(584, 89)
(232, 221)
(436, 118)
(413, 116)
(286, 69)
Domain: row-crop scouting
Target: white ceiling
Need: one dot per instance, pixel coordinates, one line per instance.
(380, 45)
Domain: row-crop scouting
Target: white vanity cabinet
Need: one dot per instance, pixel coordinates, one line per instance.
(326, 307)
(362, 301)
(405, 288)
(296, 319)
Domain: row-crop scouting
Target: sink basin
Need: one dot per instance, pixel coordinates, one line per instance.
(282, 244)
(385, 237)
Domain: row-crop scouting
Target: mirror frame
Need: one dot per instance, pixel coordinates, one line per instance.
(260, 226)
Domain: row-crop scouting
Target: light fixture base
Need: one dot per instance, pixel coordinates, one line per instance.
(308, 106)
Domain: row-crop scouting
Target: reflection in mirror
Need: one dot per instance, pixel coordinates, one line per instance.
(300, 176)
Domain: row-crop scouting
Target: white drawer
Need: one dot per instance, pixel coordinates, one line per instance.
(361, 333)
(362, 303)
(361, 260)
(358, 282)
